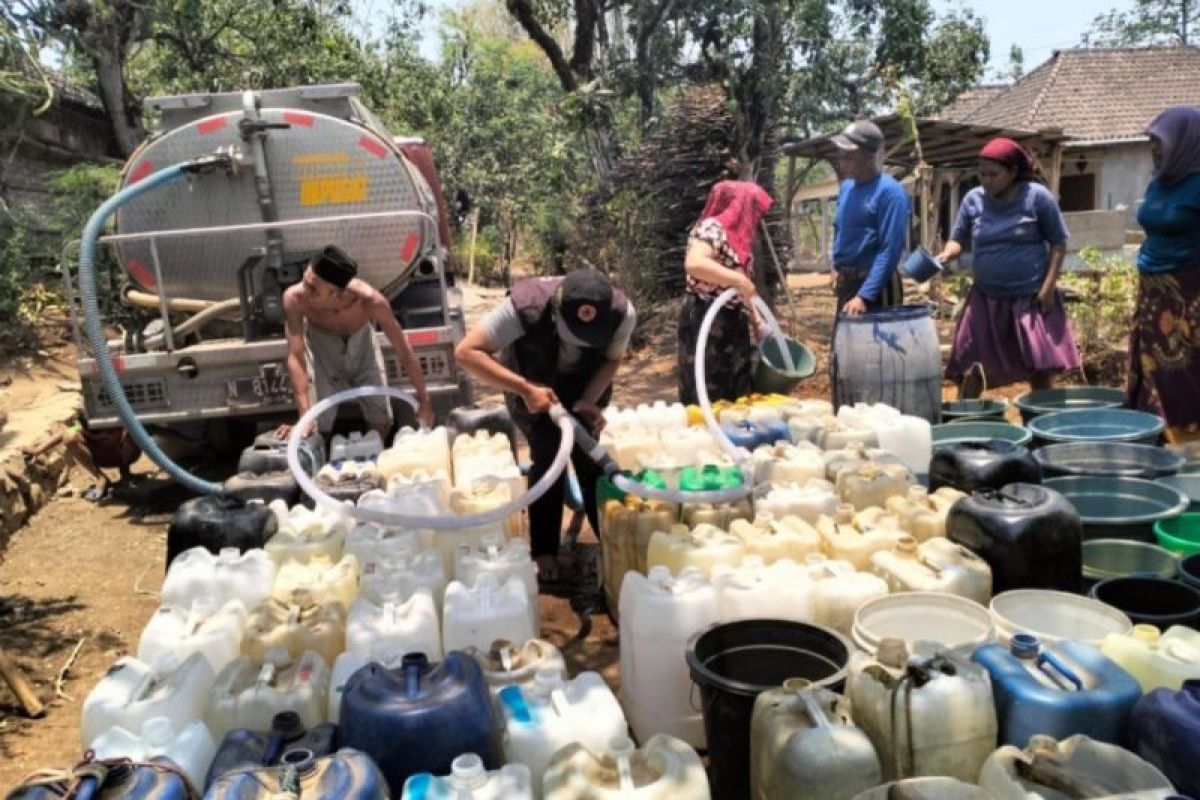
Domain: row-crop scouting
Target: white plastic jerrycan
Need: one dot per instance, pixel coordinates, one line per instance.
(666, 768)
(929, 715)
(837, 435)
(486, 494)
(854, 456)
(228, 575)
(549, 714)
(704, 547)
(481, 445)
(839, 590)
(872, 484)
(921, 513)
(659, 614)
(506, 664)
(1075, 767)
(478, 615)
(357, 445)
(691, 446)
(408, 625)
(808, 501)
(804, 746)
(774, 539)
(754, 590)
(910, 439)
(427, 491)
(1156, 660)
(133, 691)
(808, 428)
(788, 463)
(413, 451)
(304, 533)
(720, 515)
(403, 573)
(370, 542)
(470, 780)
(350, 471)
(326, 581)
(843, 540)
(499, 556)
(203, 627)
(296, 625)
(189, 746)
(249, 693)
(936, 565)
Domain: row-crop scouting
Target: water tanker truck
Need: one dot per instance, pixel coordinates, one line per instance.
(197, 337)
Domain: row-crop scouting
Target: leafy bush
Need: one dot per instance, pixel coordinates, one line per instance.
(1103, 315)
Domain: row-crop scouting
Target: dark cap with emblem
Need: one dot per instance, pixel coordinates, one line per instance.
(334, 266)
(860, 135)
(585, 306)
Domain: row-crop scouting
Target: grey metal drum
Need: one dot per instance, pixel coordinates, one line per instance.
(889, 356)
(325, 159)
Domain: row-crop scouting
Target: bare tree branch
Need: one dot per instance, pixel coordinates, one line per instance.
(523, 11)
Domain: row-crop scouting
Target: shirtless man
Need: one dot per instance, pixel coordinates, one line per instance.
(329, 315)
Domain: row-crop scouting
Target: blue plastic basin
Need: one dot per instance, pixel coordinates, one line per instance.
(1122, 459)
(1097, 425)
(1119, 508)
(1067, 398)
(978, 431)
(1188, 483)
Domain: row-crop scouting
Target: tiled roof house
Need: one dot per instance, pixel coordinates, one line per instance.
(1102, 100)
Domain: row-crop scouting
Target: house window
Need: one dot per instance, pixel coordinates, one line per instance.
(1077, 192)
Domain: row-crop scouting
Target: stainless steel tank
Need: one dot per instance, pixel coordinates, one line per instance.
(326, 159)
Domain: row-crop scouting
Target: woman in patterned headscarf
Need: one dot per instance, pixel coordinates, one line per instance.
(1164, 346)
(718, 258)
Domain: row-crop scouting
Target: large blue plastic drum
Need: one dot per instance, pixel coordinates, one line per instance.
(889, 356)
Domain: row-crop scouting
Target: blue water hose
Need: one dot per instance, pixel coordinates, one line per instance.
(95, 329)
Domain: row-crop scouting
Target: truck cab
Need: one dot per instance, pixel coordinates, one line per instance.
(197, 335)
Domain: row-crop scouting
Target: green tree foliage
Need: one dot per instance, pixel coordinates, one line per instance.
(1149, 22)
(501, 136)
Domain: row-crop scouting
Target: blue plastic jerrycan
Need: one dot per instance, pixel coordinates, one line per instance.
(1165, 730)
(745, 434)
(1059, 691)
(244, 749)
(420, 717)
(345, 775)
(157, 779)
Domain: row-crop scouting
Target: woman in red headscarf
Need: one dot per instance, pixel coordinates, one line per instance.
(719, 251)
(1014, 327)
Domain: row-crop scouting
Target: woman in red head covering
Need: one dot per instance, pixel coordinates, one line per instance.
(1014, 327)
(718, 258)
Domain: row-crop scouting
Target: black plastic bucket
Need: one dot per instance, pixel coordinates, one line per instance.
(734, 663)
(1189, 570)
(1151, 601)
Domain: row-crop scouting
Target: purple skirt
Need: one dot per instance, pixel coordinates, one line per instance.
(1012, 339)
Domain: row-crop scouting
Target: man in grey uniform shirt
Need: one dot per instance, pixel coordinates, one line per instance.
(553, 340)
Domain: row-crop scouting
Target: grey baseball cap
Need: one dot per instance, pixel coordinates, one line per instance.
(860, 135)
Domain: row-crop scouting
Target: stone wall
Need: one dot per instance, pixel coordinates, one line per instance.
(26, 485)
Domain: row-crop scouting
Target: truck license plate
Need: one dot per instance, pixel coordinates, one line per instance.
(271, 387)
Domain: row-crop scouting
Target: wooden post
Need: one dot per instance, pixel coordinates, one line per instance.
(20, 687)
(471, 250)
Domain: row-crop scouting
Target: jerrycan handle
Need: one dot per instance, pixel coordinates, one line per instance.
(1046, 657)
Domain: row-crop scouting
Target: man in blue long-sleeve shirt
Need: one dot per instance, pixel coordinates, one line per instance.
(871, 225)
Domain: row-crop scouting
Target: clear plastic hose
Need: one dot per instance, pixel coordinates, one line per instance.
(392, 519)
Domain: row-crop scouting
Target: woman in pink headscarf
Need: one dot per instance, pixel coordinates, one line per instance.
(1164, 346)
(1014, 327)
(718, 258)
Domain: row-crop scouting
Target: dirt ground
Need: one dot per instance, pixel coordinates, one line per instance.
(82, 573)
